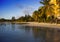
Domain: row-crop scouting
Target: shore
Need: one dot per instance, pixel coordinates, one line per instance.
(37, 24)
(48, 25)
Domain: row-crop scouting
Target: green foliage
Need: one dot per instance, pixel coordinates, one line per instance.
(35, 15)
(26, 18)
(2, 20)
(13, 19)
(39, 15)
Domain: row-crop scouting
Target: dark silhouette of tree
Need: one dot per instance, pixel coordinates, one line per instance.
(46, 8)
(13, 19)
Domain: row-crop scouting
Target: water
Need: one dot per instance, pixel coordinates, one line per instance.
(19, 33)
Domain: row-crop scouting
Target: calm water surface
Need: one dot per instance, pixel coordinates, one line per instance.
(19, 33)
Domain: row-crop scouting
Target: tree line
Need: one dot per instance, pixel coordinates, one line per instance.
(43, 14)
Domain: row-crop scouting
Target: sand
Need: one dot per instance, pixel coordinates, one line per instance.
(49, 25)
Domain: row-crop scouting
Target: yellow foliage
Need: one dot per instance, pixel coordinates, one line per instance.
(55, 7)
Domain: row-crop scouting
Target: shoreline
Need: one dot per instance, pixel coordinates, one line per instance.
(37, 24)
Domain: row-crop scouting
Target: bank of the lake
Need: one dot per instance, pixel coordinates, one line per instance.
(49, 25)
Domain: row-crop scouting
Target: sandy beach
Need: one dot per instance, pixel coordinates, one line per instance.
(49, 25)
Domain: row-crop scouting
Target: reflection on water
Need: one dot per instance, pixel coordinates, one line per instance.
(53, 35)
(47, 35)
(39, 34)
(13, 26)
(18, 33)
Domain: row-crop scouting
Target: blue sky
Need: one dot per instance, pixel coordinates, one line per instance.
(17, 8)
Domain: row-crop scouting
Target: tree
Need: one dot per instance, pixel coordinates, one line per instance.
(21, 19)
(47, 8)
(35, 15)
(2, 20)
(13, 18)
(58, 3)
(28, 18)
(41, 15)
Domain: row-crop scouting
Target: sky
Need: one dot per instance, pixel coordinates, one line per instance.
(17, 8)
